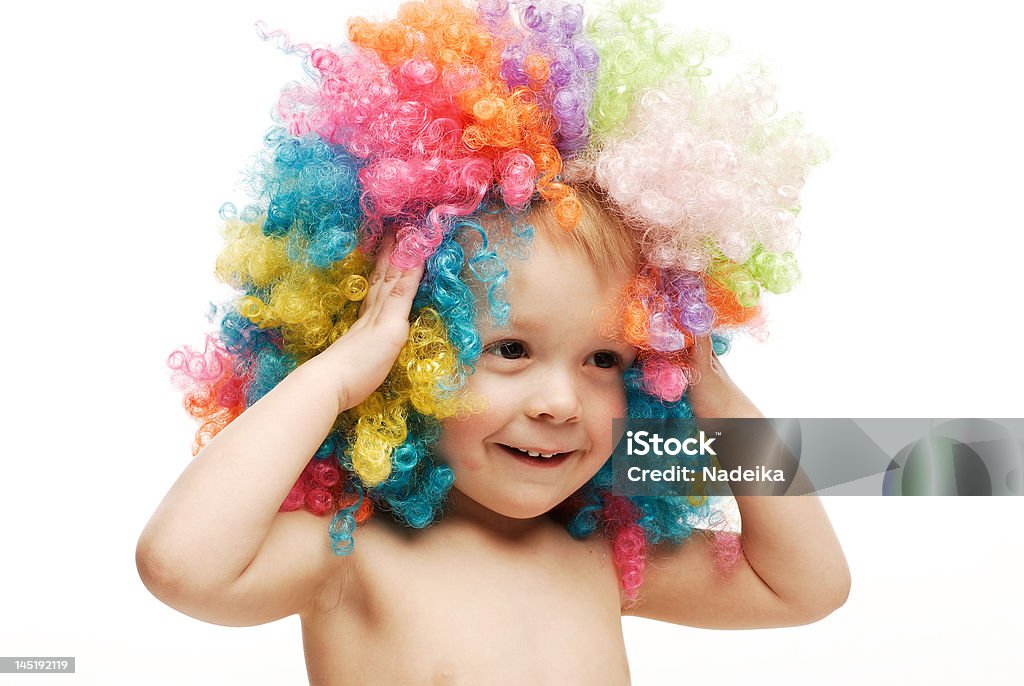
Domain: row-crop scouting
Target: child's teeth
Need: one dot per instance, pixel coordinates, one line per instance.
(532, 453)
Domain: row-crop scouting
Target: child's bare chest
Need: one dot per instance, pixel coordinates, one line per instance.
(456, 611)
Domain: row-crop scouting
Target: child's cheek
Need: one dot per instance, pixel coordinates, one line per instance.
(454, 447)
(616, 404)
(617, 409)
(470, 466)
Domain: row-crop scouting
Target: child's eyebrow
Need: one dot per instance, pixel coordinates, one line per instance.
(526, 324)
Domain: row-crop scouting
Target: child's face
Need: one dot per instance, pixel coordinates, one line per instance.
(552, 381)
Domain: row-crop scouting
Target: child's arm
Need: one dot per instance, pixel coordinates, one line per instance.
(792, 569)
(217, 548)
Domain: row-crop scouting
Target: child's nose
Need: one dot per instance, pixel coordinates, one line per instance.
(555, 399)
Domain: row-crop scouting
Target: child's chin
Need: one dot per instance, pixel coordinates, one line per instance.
(523, 509)
(519, 508)
(524, 504)
(525, 513)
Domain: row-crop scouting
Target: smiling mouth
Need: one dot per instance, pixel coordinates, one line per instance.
(535, 458)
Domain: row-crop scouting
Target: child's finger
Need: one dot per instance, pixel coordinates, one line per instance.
(397, 302)
(377, 275)
(704, 362)
(701, 353)
(385, 285)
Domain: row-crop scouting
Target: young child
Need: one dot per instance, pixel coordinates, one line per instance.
(552, 245)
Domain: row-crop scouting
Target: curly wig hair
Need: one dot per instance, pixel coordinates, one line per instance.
(431, 125)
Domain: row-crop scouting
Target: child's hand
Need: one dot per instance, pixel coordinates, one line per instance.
(360, 360)
(713, 393)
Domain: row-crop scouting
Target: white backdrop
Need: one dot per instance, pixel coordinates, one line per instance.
(127, 125)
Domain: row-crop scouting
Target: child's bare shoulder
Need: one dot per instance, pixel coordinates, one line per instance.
(295, 569)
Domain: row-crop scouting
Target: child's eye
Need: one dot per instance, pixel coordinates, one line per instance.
(606, 360)
(509, 350)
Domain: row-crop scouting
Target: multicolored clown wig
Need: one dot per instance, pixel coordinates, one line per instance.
(427, 124)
